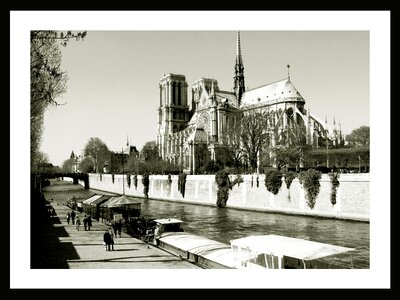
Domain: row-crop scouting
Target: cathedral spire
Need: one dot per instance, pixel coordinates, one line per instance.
(239, 86)
(238, 50)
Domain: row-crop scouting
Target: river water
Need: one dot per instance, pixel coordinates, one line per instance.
(226, 224)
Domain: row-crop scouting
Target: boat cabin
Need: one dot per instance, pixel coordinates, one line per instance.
(163, 226)
(167, 225)
(281, 252)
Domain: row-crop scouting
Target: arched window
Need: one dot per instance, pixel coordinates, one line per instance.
(173, 93)
(179, 94)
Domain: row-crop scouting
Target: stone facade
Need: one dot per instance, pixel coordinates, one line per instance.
(184, 128)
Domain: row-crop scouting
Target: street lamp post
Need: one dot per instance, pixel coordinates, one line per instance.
(327, 151)
(181, 154)
(123, 182)
(96, 161)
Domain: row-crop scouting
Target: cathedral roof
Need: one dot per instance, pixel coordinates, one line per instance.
(227, 95)
(270, 92)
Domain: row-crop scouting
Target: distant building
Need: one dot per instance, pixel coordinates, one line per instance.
(77, 160)
(119, 158)
(183, 126)
(45, 168)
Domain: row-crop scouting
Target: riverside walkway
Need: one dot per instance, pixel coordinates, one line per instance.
(59, 245)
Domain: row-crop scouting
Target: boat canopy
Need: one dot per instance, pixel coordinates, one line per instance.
(100, 200)
(167, 221)
(287, 246)
(91, 199)
(125, 201)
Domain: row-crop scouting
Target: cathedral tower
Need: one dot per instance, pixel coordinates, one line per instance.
(238, 79)
(173, 112)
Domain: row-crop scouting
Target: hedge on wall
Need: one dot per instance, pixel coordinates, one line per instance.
(224, 185)
(335, 184)
(182, 184)
(146, 183)
(128, 180)
(310, 181)
(289, 177)
(239, 179)
(273, 180)
(169, 180)
(135, 181)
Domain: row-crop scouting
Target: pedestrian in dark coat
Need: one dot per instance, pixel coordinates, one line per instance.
(68, 217)
(112, 239)
(85, 222)
(89, 222)
(114, 227)
(107, 240)
(78, 223)
(73, 217)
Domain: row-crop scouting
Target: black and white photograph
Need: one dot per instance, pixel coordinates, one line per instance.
(171, 150)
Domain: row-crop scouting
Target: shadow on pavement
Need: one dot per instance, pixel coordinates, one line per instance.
(55, 220)
(47, 252)
(161, 259)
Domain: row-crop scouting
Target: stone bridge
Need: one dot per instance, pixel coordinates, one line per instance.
(41, 177)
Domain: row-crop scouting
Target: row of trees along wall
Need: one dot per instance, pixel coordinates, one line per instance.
(256, 153)
(344, 196)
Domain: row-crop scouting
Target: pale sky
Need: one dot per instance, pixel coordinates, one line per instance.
(113, 78)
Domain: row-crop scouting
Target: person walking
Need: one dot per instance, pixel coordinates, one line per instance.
(73, 217)
(85, 222)
(107, 240)
(68, 217)
(78, 223)
(89, 222)
(112, 239)
(114, 227)
(119, 228)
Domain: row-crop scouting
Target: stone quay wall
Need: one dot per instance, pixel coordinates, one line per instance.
(352, 198)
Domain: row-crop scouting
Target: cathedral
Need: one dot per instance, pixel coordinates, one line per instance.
(184, 128)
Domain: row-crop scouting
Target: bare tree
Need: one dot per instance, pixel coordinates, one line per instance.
(39, 161)
(86, 165)
(150, 151)
(48, 81)
(255, 125)
(232, 142)
(294, 147)
(98, 151)
(250, 134)
(359, 136)
(68, 165)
